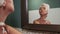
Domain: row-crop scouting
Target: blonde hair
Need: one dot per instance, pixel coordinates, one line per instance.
(1, 2)
(46, 5)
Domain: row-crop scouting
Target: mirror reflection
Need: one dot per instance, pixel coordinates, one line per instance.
(44, 11)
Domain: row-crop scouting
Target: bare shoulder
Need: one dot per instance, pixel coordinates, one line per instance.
(48, 22)
(36, 21)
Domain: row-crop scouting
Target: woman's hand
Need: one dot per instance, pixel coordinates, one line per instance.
(12, 30)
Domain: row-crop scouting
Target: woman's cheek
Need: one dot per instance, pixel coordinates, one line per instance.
(10, 5)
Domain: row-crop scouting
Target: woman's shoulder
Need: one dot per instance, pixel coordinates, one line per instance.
(36, 21)
(48, 22)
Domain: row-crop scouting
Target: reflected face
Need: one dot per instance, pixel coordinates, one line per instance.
(43, 11)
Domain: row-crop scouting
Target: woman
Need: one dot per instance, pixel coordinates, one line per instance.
(6, 8)
(43, 11)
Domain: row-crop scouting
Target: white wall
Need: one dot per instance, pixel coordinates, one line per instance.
(53, 15)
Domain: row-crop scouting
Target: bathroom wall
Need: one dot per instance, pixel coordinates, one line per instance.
(35, 4)
(14, 19)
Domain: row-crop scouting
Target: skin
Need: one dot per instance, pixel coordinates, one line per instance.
(6, 9)
(43, 13)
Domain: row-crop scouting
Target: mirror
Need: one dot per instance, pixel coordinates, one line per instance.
(53, 13)
(30, 11)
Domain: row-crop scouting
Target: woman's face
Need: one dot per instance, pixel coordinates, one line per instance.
(43, 11)
(6, 9)
(9, 5)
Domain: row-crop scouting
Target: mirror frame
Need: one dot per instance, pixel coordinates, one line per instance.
(36, 27)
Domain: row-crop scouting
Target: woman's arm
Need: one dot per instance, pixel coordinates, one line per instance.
(35, 22)
(11, 30)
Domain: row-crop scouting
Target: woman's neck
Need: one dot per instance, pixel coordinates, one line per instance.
(43, 17)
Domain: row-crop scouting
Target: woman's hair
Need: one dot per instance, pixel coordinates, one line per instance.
(1, 2)
(46, 5)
